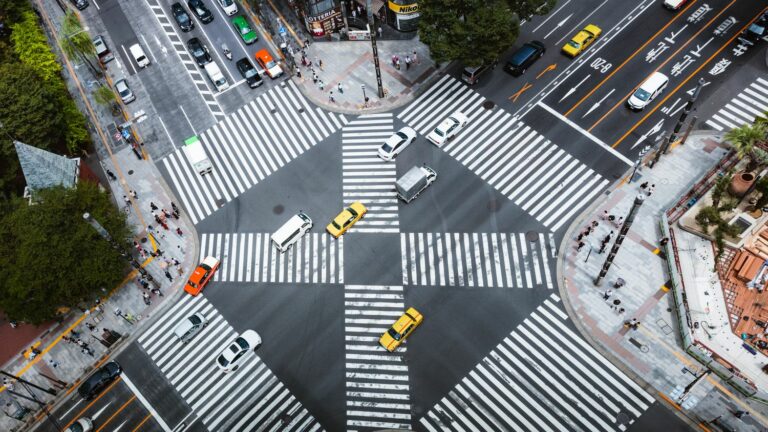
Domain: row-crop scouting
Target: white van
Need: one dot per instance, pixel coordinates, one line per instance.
(291, 231)
(647, 92)
(138, 55)
(217, 78)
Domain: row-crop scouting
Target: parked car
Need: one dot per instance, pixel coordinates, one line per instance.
(228, 6)
(396, 143)
(200, 10)
(199, 52)
(448, 128)
(80, 4)
(202, 274)
(582, 40)
(344, 221)
(91, 387)
(105, 55)
(125, 92)
(182, 17)
(234, 354)
(269, 64)
(524, 57)
(244, 29)
(249, 72)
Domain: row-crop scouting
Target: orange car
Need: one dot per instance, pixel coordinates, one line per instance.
(201, 275)
(271, 67)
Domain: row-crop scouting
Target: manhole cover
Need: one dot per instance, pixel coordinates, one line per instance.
(488, 105)
(278, 209)
(220, 202)
(532, 236)
(493, 205)
(623, 418)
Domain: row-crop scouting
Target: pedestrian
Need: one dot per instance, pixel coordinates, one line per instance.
(619, 221)
(595, 224)
(664, 241)
(152, 206)
(137, 245)
(134, 194)
(147, 300)
(127, 201)
(354, 13)
(298, 73)
(54, 364)
(616, 303)
(166, 213)
(157, 291)
(321, 84)
(651, 189)
(340, 88)
(81, 344)
(164, 225)
(607, 294)
(605, 215)
(174, 208)
(607, 238)
(611, 218)
(178, 231)
(330, 97)
(318, 62)
(589, 231)
(111, 175)
(643, 186)
(394, 60)
(314, 77)
(579, 246)
(87, 351)
(157, 219)
(620, 311)
(380, 31)
(90, 326)
(602, 248)
(168, 275)
(176, 262)
(397, 64)
(180, 270)
(407, 62)
(581, 236)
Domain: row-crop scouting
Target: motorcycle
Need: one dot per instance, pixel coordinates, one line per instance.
(227, 52)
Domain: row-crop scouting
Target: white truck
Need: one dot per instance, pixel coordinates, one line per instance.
(217, 78)
(410, 185)
(193, 148)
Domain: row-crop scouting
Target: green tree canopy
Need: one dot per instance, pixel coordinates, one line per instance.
(52, 257)
(744, 138)
(32, 48)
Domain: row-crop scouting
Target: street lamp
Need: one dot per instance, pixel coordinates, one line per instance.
(365, 98)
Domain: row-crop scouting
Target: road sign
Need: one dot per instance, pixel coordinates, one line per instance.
(282, 30)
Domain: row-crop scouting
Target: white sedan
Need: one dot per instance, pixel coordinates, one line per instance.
(397, 143)
(232, 356)
(448, 128)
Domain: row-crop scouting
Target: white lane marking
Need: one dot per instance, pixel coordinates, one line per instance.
(144, 402)
(146, 45)
(129, 58)
(551, 14)
(188, 122)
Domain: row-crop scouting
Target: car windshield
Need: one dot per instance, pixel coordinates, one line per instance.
(75, 428)
(271, 64)
(439, 132)
(574, 44)
(242, 342)
(192, 284)
(402, 136)
(395, 335)
(197, 51)
(250, 72)
(195, 320)
(221, 82)
(226, 2)
(223, 361)
(335, 225)
(352, 212)
(245, 29)
(642, 95)
(183, 18)
(386, 148)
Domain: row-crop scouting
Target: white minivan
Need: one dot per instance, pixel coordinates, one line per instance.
(647, 92)
(217, 78)
(138, 55)
(291, 231)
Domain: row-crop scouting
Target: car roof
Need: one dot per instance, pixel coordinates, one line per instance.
(263, 53)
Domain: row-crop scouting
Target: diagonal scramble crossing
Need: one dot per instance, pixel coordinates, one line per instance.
(251, 257)
(476, 260)
(542, 377)
(249, 399)
(249, 145)
(378, 393)
(366, 177)
(537, 175)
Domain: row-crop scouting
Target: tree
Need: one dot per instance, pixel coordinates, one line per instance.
(474, 32)
(744, 138)
(76, 42)
(54, 258)
(31, 47)
(103, 95)
(762, 187)
(526, 9)
(12, 10)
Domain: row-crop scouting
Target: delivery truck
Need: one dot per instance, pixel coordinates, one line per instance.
(410, 185)
(193, 148)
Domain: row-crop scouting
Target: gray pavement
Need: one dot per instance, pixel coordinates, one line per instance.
(651, 354)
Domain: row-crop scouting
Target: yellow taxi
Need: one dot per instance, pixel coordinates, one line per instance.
(344, 221)
(582, 40)
(401, 329)
(202, 274)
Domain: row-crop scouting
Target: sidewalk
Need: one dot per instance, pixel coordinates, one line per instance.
(652, 353)
(62, 360)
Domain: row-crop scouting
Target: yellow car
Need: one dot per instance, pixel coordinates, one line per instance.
(582, 40)
(401, 329)
(341, 223)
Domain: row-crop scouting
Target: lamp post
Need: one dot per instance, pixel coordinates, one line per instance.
(365, 98)
(372, 32)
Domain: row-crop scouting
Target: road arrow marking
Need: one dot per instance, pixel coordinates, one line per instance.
(558, 25)
(573, 89)
(547, 69)
(597, 104)
(653, 130)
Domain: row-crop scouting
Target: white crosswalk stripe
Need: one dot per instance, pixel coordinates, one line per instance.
(476, 260)
(249, 145)
(366, 177)
(542, 377)
(537, 175)
(744, 108)
(251, 398)
(251, 257)
(378, 392)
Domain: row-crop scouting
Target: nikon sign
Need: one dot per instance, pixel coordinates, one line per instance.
(403, 9)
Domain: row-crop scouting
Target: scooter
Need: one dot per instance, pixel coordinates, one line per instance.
(227, 52)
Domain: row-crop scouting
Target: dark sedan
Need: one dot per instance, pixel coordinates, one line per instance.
(201, 12)
(199, 52)
(249, 72)
(80, 4)
(182, 17)
(97, 382)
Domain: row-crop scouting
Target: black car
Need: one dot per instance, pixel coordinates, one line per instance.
(201, 12)
(182, 17)
(97, 382)
(199, 51)
(80, 4)
(524, 57)
(249, 72)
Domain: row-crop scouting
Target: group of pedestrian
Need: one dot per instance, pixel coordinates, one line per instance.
(585, 233)
(163, 216)
(647, 189)
(605, 241)
(84, 348)
(148, 289)
(408, 60)
(617, 222)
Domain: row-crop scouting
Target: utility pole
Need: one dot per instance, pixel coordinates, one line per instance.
(687, 110)
(620, 238)
(372, 31)
(24, 383)
(100, 229)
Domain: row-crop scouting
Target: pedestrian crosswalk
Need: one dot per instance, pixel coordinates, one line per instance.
(744, 108)
(542, 377)
(251, 257)
(537, 175)
(251, 398)
(366, 177)
(477, 259)
(249, 145)
(377, 387)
